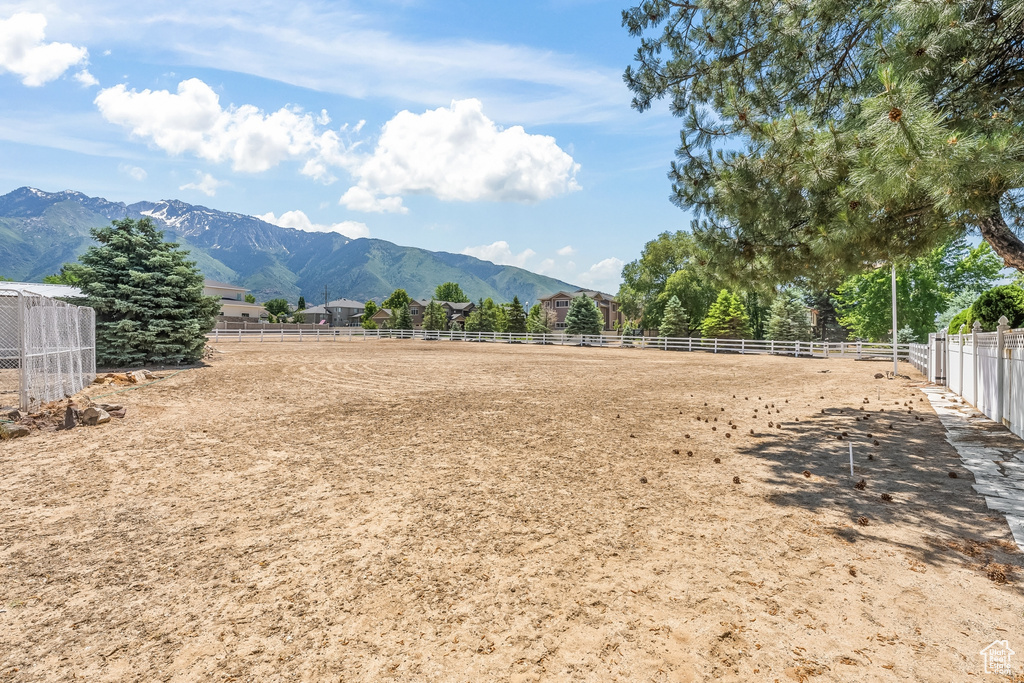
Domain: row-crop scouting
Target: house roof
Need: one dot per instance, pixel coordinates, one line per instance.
(386, 311)
(52, 291)
(223, 285)
(590, 293)
(314, 309)
(345, 303)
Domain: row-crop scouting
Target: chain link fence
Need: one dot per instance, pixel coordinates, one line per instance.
(47, 349)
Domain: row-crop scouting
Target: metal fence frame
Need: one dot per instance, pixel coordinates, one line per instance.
(744, 346)
(47, 348)
(986, 369)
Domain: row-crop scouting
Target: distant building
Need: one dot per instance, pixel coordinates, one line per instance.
(337, 313)
(606, 303)
(232, 300)
(455, 311)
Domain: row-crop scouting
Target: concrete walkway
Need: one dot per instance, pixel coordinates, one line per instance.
(990, 451)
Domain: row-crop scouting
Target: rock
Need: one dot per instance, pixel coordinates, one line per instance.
(110, 407)
(95, 416)
(13, 431)
(119, 413)
(879, 375)
(139, 376)
(148, 374)
(71, 417)
(12, 414)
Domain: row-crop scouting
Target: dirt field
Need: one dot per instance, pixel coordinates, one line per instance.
(453, 511)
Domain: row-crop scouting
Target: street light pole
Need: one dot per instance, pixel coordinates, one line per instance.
(895, 358)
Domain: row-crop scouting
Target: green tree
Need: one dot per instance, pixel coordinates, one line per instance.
(516, 317)
(924, 288)
(147, 295)
(674, 321)
(369, 325)
(540, 320)
(670, 265)
(1005, 300)
(451, 292)
(455, 327)
(66, 276)
(435, 317)
(583, 317)
(727, 318)
(302, 303)
(483, 318)
(824, 138)
(500, 319)
(396, 300)
(959, 303)
(371, 308)
(789, 320)
(401, 318)
(277, 307)
(250, 299)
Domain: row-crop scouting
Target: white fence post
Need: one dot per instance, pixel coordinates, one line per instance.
(1001, 330)
(977, 359)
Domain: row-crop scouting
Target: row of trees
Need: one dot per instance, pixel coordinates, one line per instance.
(931, 289)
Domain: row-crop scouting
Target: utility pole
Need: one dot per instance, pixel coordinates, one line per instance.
(895, 358)
(327, 296)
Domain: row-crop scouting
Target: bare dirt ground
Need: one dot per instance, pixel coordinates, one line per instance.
(401, 510)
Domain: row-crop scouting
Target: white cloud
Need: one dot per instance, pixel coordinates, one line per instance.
(192, 120)
(23, 52)
(499, 252)
(133, 172)
(360, 199)
(205, 183)
(300, 221)
(567, 250)
(546, 267)
(604, 275)
(456, 153)
(86, 79)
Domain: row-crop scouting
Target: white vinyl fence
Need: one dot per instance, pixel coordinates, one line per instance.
(47, 349)
(793, 348)
(985, 368)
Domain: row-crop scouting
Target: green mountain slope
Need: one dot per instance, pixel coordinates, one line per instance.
(40, 231)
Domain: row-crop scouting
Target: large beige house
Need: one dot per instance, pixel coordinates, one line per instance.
(606, 303)
(232, 300)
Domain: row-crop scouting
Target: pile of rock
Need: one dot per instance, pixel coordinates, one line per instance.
(57, 415)
(124, 378)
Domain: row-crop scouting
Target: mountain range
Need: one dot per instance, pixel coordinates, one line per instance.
(40, 231)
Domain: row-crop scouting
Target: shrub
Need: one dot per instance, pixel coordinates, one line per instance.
(1005, 300)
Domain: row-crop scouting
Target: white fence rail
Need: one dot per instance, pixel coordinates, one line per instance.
(985, 368)
(47, 348)
(793, 348)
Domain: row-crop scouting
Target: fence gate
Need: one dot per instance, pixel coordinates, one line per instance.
(47, 349)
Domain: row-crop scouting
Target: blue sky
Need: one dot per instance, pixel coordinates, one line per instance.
(497, 129)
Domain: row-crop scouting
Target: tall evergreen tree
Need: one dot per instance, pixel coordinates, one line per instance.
(789, 320)
(451, 292)
(516, 317)
(825, 138)
(435, 317)
(583, 317)
(147, 295)
(674, 321)
(302, 303)
(401, 318)
(727, 318)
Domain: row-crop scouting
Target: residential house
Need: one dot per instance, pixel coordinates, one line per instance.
(606, 303)
(456, 311)
(337, 313)
(232, 300)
